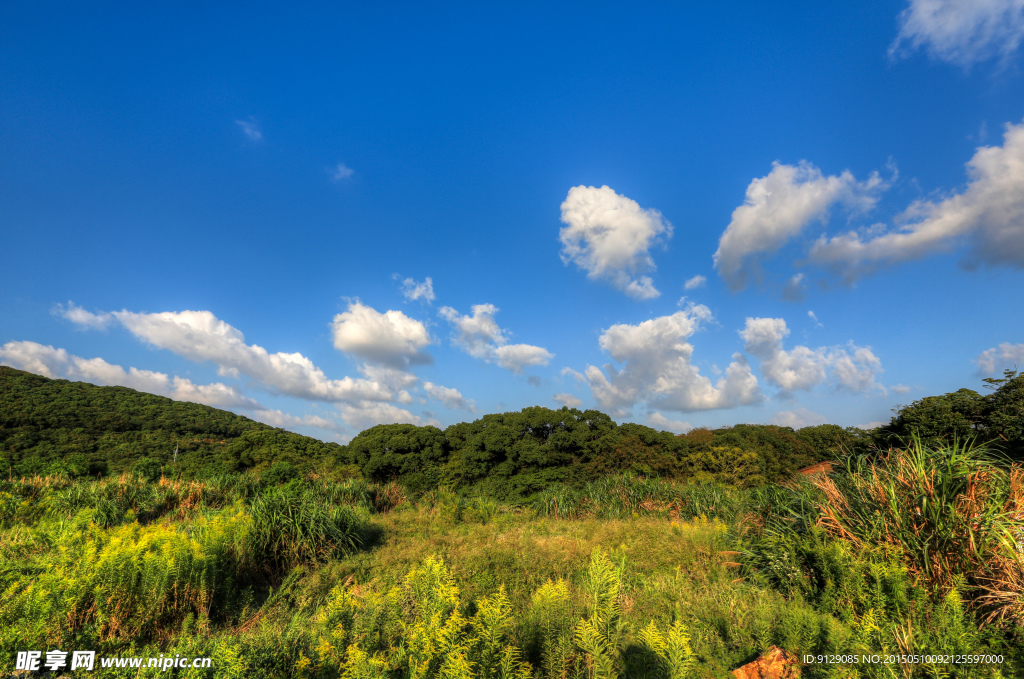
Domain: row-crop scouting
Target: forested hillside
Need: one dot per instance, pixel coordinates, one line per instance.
(56, 426)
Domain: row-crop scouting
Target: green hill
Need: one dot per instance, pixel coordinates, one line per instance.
(50, 426)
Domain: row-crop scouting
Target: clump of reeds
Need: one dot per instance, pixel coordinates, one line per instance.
(292, 525)
(951, 511)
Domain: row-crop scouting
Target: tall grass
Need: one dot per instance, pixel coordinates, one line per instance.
(627, 495)
(950, 512)
(291, 525)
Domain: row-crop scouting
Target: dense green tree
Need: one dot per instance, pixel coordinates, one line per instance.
(936, 419)
(406, 453)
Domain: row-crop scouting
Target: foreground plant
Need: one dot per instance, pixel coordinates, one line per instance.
(951, 511)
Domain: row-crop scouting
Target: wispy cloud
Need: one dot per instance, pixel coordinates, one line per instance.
(1005, 355)
(695, 282)
(656, 419)
(961, 32)
(798, 418)
(341, 172)
(479, 336)
(988, 215)
(567, 400)
(251, 129)
(413, 290)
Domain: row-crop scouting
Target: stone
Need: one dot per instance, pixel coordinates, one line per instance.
(775, 663)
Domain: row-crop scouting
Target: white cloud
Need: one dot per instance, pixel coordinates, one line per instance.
(988, 214)
(793, 290)
(900, 389)
(364, 415)
(412, 290)
(874, 424)
(658, 368)
(853, 367)
(59, 364)
(516, 357)
(798, 418)
(81, 317)
(567, 400)
(695, 282)
(814, 317)
(961, 32)
(448, 397)
(656, 419)
(341, 172)
(250, 128)
(390, 338)
(476, 334)
(610, 236)
(1005, 354)
(277, 418)
(479, 336)
(201, 336)
(575, 374)
(778, 207)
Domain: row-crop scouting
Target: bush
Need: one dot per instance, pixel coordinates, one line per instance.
(292, 526)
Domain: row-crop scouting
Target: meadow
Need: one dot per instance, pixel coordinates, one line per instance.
(915, 551)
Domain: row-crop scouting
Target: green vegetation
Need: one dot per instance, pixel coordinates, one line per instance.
(78, 429)
(537, 544)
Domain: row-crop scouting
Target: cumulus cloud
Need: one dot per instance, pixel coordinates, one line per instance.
(390, 338)
(778, 207)
(610, 236)
(798, 418)
(567, 400)
(900, 389)
(1005, 354)
(448, 397)
(481, 337)
(657, 368)
(695, 282)
(201, 336)
(988, 214)
(341, 172)
(413, 290)
(853, 367)
(961, 32)
(59, 364)
(656, 419)
(250, 128)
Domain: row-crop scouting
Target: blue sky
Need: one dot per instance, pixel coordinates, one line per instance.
(335, 215)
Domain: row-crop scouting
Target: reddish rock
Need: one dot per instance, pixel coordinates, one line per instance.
(775, 663)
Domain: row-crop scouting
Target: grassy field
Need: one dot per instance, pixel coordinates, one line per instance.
(914, 553)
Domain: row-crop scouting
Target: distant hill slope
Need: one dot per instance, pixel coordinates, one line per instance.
(49, 426)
